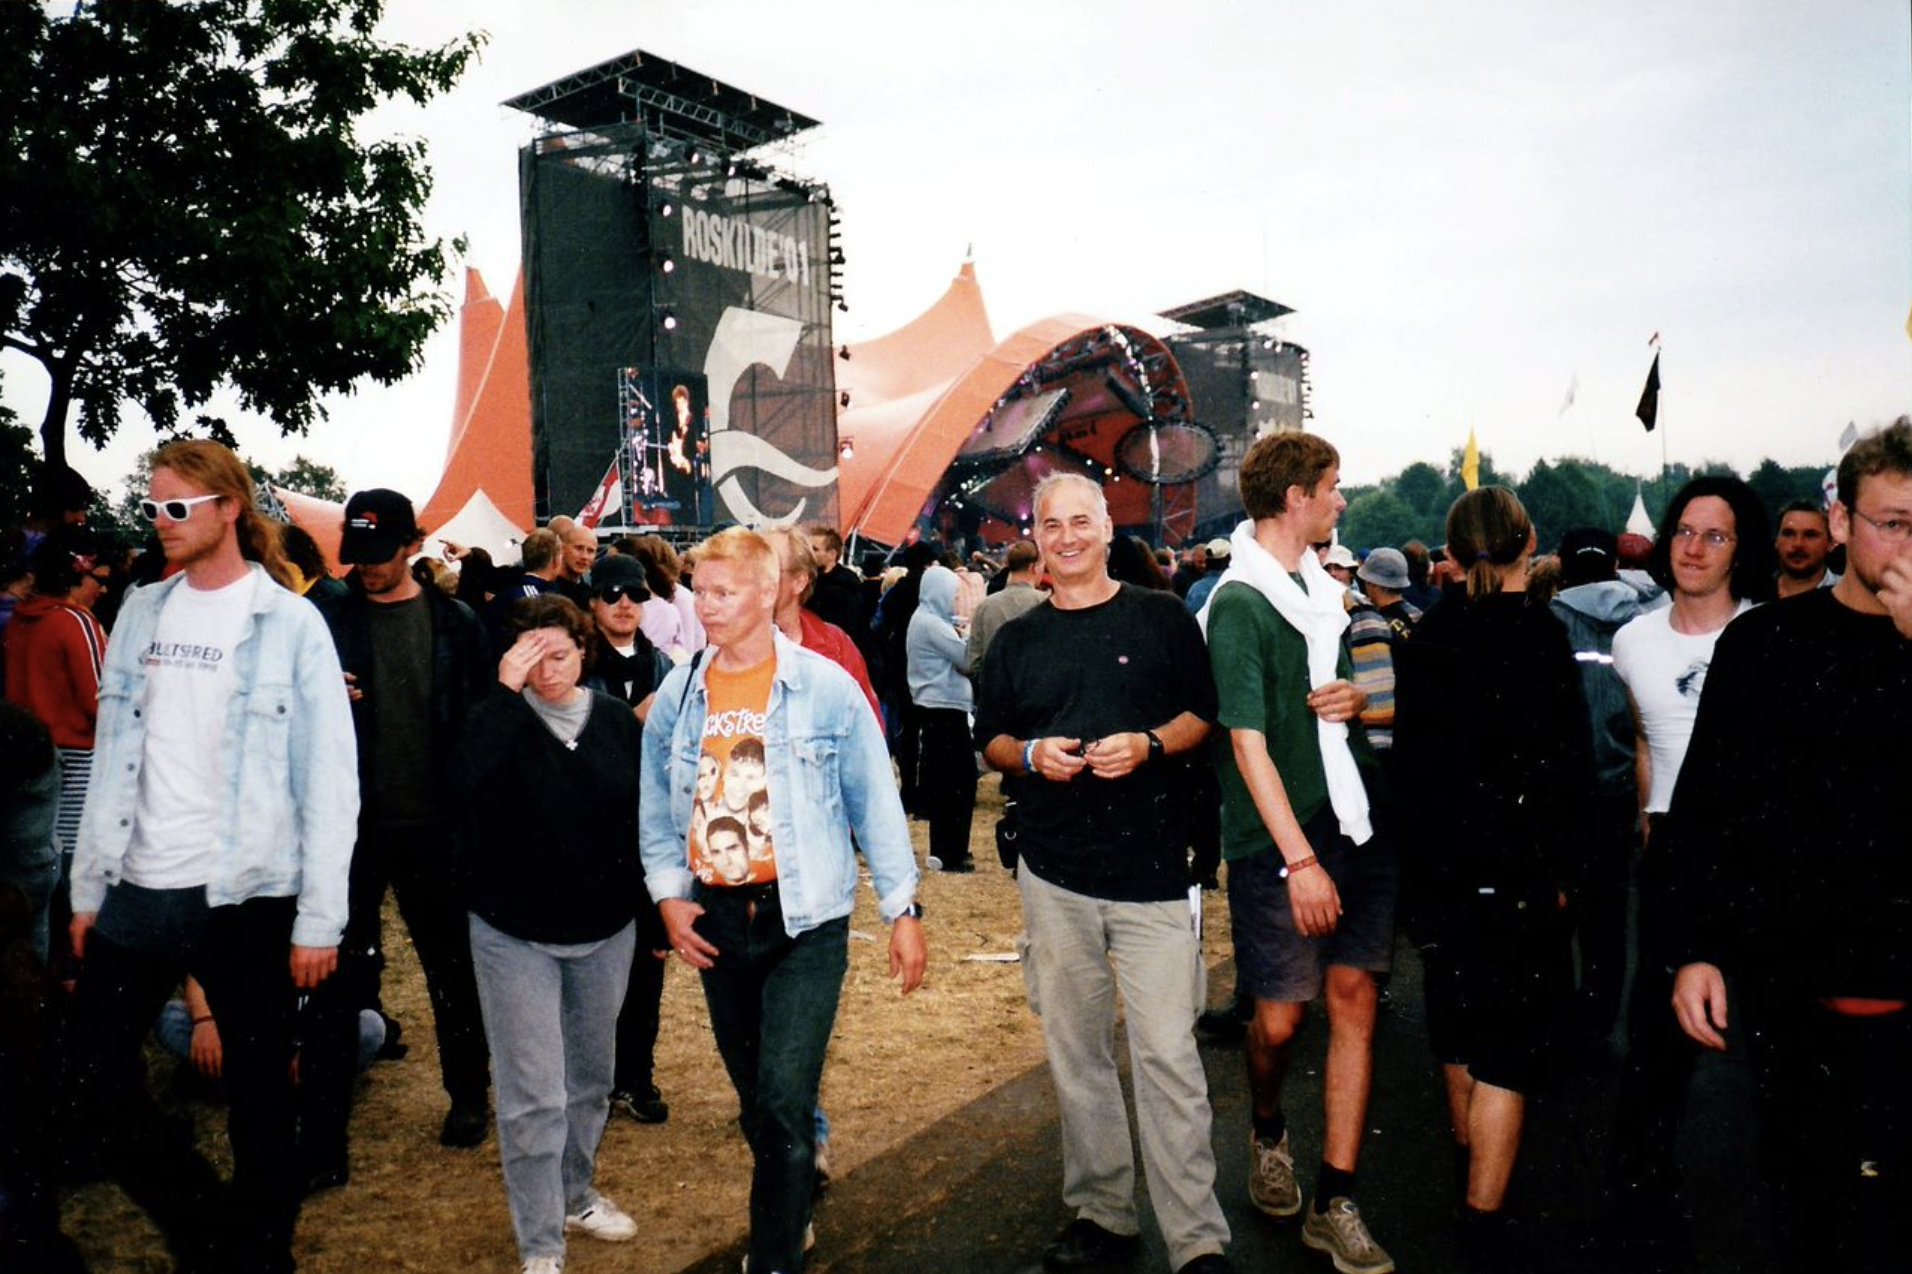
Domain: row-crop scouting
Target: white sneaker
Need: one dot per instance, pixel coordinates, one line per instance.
(603, 1220)
(543, 1265)
(932, 862)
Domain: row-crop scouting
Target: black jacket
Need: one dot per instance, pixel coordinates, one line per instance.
(464, 670)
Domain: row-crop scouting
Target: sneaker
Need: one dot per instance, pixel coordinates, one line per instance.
(1271, 1181)
(933, 863)
(646, 1106)
(543, 1265)
(823, 1166)
(603, 1220)
(1342, 1234)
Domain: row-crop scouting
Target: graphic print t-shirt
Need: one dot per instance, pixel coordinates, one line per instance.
(190, 680)
(730, 822)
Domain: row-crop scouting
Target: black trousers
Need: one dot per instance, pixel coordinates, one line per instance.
(1600, 918)
(416, 864)
(946, 781)
(638, 1020)
(1836, 1127)
(1660, 1057)
(243, 961)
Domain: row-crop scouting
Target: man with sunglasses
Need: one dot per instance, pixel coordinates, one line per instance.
(415, 662)
(629, 668)
(1789, 827)
(220, 848)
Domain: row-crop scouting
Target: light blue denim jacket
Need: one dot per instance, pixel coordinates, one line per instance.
(288, 762)
(828, 773)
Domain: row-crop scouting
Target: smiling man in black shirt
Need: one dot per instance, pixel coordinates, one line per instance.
(1092, 708)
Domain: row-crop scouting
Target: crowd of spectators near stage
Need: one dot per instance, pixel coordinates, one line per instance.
(1680, 755)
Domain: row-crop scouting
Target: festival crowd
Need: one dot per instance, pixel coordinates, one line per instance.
(216, 761)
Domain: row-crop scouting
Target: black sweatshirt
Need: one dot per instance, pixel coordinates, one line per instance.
(550, 853)
(1789, 828)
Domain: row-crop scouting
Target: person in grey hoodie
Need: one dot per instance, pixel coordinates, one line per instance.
(1592, 604)
(939, 688)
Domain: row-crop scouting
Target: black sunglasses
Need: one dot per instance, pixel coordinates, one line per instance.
(612, 594)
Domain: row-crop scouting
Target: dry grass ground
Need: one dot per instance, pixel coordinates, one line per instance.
(896, 1065)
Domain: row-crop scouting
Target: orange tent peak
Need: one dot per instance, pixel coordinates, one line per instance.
(475, 290)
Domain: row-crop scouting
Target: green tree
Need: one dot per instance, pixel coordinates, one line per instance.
(1559, 498)
(16, 462)
(309, 477)
(185, 205)
(1424, 488)
(1376, 518)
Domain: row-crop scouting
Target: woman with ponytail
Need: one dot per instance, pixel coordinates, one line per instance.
(1491, 729)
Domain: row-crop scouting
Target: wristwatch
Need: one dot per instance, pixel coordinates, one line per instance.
(914, 911)
(1156, 750)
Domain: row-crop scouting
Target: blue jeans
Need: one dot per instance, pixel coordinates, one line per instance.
(773, 1003)
(551, 1020)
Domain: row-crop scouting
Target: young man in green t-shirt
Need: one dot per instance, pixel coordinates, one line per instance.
(1311, 892)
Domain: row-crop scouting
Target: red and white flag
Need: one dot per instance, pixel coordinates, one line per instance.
(593, 511)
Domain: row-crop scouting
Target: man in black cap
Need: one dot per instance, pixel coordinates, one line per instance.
(415, 661)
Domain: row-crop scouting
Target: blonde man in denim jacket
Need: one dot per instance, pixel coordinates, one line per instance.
(773, 946)
(217, 842)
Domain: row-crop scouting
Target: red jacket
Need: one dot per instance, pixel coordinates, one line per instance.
(835, 645)
(54, 653)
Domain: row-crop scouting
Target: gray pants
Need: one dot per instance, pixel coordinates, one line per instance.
(551, 1020)
(1078, 951)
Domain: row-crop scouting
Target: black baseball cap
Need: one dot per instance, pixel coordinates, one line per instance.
(378, 523)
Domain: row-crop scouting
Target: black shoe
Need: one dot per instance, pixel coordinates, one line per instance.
(1222, 1024)
(326, 1177)
(1206, 1263)
(394, 1048)
(1083, 1243)
(465, 1127)
(646, 1106)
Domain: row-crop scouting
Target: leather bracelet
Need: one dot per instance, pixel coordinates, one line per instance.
(1029, 756)
(201, 1021)
(1300, 864)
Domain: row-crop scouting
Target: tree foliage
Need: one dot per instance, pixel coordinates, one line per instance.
(185, 205)
(1559, 495)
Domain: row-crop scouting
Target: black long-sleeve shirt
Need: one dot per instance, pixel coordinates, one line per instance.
(1789, 827)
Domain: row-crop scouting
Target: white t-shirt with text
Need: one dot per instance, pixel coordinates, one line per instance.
(190, 680)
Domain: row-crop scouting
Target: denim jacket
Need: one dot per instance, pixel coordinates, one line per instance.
(828, 773)
(289, 762)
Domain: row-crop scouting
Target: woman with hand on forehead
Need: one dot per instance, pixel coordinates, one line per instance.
(547, 772)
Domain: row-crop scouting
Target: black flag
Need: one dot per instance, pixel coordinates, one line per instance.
(1649, 409)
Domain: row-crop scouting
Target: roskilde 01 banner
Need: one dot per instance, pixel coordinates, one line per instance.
(729, 351)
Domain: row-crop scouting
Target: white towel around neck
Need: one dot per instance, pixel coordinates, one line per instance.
(1319, 616)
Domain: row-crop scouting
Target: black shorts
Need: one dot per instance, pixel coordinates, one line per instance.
(1497, 989)
(1274, 962)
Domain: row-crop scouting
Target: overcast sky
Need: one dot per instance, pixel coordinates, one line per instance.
(1471, 205)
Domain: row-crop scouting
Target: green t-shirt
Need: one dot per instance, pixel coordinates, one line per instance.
(1261, 682)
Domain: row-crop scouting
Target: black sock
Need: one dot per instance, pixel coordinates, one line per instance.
(1331, 1183)
(1271, 1128)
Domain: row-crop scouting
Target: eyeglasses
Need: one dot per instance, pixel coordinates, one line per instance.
(1711, 539)
(175, 510)
(612, 594)
(1892, 530)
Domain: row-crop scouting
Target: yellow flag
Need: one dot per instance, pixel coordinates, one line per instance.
(1470, 462)
(1908, 323)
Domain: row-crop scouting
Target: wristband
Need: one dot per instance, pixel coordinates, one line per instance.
(201, 1021)
(1300, 864)
(1029, 757)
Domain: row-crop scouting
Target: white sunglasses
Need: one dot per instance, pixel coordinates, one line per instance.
(175, 510)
